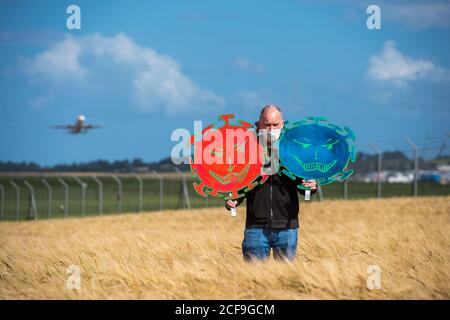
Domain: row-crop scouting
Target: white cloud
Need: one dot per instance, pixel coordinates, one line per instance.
(394, 67)
(41, 101)
(253, 100)
(244, 64)
(413, 14)
(157, 78)
(419, 15)
(60, 61)
(290, 98)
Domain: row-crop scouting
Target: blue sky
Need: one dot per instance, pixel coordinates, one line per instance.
(145, 68)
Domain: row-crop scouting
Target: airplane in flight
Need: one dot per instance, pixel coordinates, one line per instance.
(78, 127)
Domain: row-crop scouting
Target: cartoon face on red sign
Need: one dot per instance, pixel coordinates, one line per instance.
(228, 160)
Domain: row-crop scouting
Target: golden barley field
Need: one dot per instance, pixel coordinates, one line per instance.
(196, 254)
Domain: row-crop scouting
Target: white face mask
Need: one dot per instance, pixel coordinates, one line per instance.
(270, 135)
(275, 134)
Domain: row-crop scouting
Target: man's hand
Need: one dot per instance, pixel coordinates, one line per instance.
(230, 204)
(312, 184)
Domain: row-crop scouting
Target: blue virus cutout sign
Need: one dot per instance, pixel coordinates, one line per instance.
(314, 149)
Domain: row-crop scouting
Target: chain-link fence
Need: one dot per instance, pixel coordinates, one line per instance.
(416, 166)
(49, 196)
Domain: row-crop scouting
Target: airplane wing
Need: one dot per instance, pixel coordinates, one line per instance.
(92, 126)
(69, 126)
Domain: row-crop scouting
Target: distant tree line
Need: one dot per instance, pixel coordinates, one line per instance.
(364, 164)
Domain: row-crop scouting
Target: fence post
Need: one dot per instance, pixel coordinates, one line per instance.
(319, 190)
(161, 190)
(141, 190)
(346, 189)
(100, 194)
(119, 192)
(83, 186)
(416, 163)
(17, 198)
(2, 201)
(185, 190)
(66, 196)
(33, 209)
(49, 193)
(379, 168)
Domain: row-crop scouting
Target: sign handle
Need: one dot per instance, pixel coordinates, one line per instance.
(307, 195)
(233, 210)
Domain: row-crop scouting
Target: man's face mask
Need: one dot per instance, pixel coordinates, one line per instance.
(269, 135)
(275, 134)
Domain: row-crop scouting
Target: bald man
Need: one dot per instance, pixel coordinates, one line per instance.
(273, 207)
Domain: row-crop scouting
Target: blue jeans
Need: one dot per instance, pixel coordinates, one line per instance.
(258, 241)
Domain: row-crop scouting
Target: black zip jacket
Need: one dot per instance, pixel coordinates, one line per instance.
(274, 204)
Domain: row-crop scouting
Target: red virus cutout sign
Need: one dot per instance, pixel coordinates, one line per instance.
(227, 159)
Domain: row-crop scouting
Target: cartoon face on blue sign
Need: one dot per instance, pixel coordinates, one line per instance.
(315, 149)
